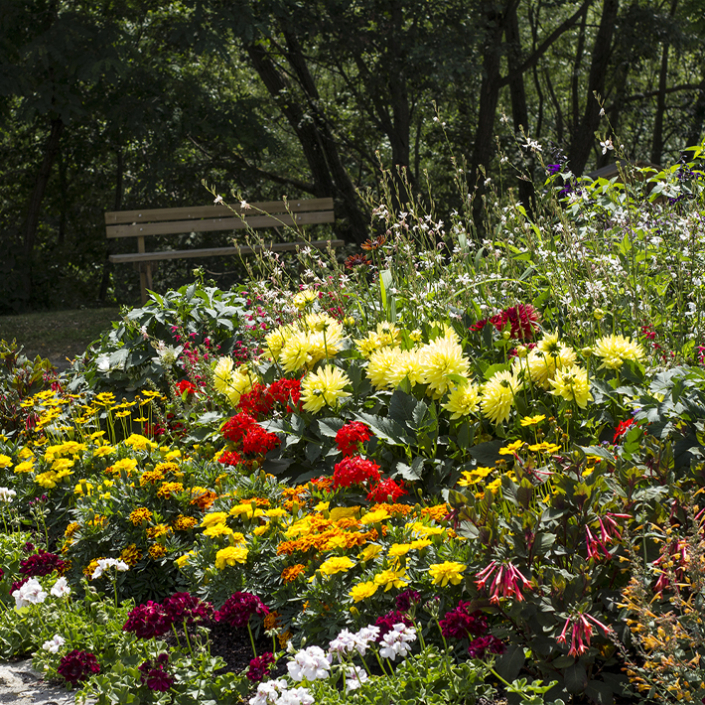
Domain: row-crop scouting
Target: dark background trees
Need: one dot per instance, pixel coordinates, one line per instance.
(114, 104)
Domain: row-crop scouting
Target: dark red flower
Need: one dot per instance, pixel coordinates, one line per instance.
(387, 491)
(355, 471)
(184, 606)
(239, 607)
(148, 620)
(523, 321)
(41, 563)
(350, 436)
(387, 621)
(260, 667)
(78, 666)
(478, 647)
(154, 675)
(459, 623)
(2, 573)
(405, 599)
(622, 428)
(17, 585)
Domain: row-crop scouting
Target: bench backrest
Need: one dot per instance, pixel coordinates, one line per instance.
(173, 221)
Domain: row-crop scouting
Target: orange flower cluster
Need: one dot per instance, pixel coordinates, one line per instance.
(292, 572)
(204, 499)
(169, 488)
(184, 523)
(327, 540)
(151, 477)
(131, 555)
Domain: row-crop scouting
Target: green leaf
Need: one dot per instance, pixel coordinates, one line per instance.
(575, 678)
(387, 430)
(510, 662)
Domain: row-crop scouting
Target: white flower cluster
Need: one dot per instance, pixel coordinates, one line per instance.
(61, 588)
(31, 593)
(7, 495)
(396, 642)
(105, 563)
(309, 664)
(53, 645)
(347, 643)
(277, 693)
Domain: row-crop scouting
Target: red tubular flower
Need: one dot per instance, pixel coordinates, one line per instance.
(78, 666)
(235, 428)
(355, 471)
(594, 546)
(387, 491)
(581, 626)
(350, 436)
(508, 581)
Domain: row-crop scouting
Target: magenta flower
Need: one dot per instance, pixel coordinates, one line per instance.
(482, 644)
(184, 606)
(508, 581)
(581, 632)
(239, 607)
(405, 599)
(78, 666)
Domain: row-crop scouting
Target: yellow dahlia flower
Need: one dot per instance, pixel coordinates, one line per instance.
(498, 396)
(381, 367)
(222, 373)
(463, 400)
(324, 388)
(572, 384)
(408, 365)
(296, 353)
(367, 345)
(542, 364)
(305, 298)
(438, 360)
(613, 350)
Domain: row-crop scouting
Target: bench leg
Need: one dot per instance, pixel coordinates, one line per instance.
(143, 286)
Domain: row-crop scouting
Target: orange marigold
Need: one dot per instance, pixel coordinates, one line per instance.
(164, 468)
(401, 509)
(151, 477)
(90, 568)
(184, 523)
(204, 500)
(438, 513)
(141, 515)
(272, 621)
(291, 573)
(71, 529)
(169, 488)
(154, 532)
(131, 555)
(157, 551)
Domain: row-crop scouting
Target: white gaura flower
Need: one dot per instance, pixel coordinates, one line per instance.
(54, 644)
(30, 593)
(61, 588)
(309, 664)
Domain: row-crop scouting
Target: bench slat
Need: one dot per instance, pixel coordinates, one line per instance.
(216, 251)
(210, 225)
(213, 211)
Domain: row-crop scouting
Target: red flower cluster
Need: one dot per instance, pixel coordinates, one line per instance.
(183, 607)
(387, 621)
(523, 321)
(355, 471)
(42, 563)
(405, 599)
(230, 457)
(187, 387)
(154, 675)
(235, 428)
(387, 491)
(459, 623)
(78, 666)
(622, 428)
(155, 619)
(243, 429)
(260, 667)
(482, 644)
(239, 607)
(261, 401)
(350, 436)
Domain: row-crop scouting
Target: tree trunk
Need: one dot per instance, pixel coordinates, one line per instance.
(517, 93)
(51, 149)
(657, 140)
(583, 136)
(697, 118)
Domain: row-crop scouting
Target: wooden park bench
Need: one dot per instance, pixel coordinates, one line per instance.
(199, 219)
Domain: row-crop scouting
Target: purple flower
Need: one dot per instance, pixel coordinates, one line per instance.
(239, 607)
(553, 169)
(78, 666)
(147, 621)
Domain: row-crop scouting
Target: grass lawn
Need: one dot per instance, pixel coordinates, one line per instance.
(57, 334)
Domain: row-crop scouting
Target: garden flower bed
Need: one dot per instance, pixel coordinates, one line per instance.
(436, 476)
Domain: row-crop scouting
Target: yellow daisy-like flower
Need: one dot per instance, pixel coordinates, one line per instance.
(408, 365)
(511, 448)
(230, 556)
(532, 420)
(5, 462)
(447, 572)
(139, 442)
(613, 350)
(336, 564)
(439, 359)
(324, 388)
(572, 384)
(390, 578)
(545, 447)
(463, 400)
(26, 466)
(381, 366)
(472, 477)
(498, 396)
(362, 591)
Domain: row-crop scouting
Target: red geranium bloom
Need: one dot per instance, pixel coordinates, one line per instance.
(387, 491)
(256, 402)
(350, 436)
(355, 471)
(286, 392)
(186, 386)
(257, 441)
(235, 428)
(78, 666)
(230, 457)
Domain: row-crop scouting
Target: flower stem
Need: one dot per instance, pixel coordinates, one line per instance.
(252, 639)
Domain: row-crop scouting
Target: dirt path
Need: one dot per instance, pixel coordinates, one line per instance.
(20, 684)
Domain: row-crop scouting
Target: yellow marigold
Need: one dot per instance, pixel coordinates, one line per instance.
(613, 350)
(447, 572)
(26, 453)
(375, 516)
(184, 523)
(390, 578)
(397, 550)
(463, 400)
(98, 520)
(214, 518)
(26, 466)
(154, 532)
(151, 477)
(230, 556)
(131, 555)
(381, 365)
(166, 468)
(218, 530)
(498, 396)
(103, 451)
(140, 515)
(440, 359)
(138, 442)
(422, 529)
(292, 572)
(420, 544)
(336, 564)
(324, 388)
(157, 551)
(71, 529)
(126, 465)
(572, 384)
(47, 480)
(276, 513)
(370, 551)
(181, 561)
(272, 621)
(168, 489)
(362, 591)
